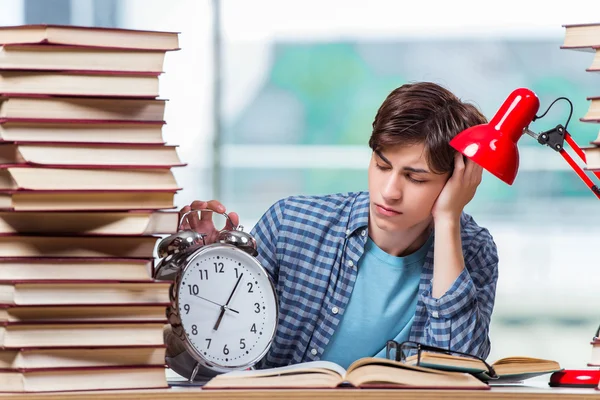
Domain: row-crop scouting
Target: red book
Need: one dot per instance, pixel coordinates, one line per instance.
(87, 200)
(30, 246)
(44, 108)
(78, 379)
(89, 223)
(89, 36)
(61, 269)
(83, 292)
(16, 335)
(26, 177)
(79, 83)
(69, 131)
(65, 357)
(80, 58)
(149, 312)
(581, 36)
(89, 155)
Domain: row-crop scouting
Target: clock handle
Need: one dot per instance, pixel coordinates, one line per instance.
(205, 209)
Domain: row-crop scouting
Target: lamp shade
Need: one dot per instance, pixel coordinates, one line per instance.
(494, 145)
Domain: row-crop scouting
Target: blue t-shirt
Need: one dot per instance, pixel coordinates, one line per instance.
(382, 305)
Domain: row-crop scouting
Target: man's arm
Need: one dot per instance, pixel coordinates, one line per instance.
(448, 257)
(459, 319)
(266, 232)
(461, 295)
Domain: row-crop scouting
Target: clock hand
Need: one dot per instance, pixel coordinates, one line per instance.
(217, 304)
(233, 291)
(226, 304)
(219, 319)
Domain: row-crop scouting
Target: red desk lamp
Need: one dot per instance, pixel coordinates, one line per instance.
(494, 145)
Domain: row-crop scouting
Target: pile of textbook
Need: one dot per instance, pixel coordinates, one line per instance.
(86, 190)
(586, 37)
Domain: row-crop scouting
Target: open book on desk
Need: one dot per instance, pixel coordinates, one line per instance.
(506, 369)
(364, 373)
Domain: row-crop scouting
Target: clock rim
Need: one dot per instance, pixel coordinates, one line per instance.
(175, 318)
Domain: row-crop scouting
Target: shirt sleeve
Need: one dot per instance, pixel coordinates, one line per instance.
(266, 233)
(460, 319)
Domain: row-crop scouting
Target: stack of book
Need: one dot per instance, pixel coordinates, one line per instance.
(586, 37)
(86, 190)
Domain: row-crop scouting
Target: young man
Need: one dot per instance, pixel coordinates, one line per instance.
(401, 261)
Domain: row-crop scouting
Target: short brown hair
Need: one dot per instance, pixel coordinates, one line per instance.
(426, 113)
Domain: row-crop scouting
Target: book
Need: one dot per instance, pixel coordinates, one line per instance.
(507, 369)
(595, 358)
(592, 157)
(596, 141)
(89, 155)
(593, 112)
(77, 246)
(29, 358)
(71, 83)
(363, 373)
(37, 293)
(581, 36)
(89, 36)
(80, 109)
(61, 269)
(79, 58)
(25, 177)
(88, 312)
(89, 223)
(595, 65)
(70, 200)
(91, 132)
(16, 335)
(75, 379)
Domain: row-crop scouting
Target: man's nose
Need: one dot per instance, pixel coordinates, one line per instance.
(392, 189)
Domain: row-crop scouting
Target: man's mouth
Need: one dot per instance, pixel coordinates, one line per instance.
(386, 211)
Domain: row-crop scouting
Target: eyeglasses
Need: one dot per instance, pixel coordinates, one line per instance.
(402, 351)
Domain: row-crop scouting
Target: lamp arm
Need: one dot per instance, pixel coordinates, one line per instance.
(581, 172)
(555, 138)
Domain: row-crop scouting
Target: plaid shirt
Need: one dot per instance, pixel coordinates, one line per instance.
(311, 247)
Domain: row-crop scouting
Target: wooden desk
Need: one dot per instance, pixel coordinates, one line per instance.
(181, 393)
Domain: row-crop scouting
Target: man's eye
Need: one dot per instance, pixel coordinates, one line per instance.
(413, 180)
(382, 167)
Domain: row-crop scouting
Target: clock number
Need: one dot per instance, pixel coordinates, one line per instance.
(249, 284)
(257, 308)
(186, 307)
(203, 274)
(237, 274)
(194, 290)
(194, 330)
(253, 329)
(225, 350)
(208, 340)
(219, 268)
(242, 344)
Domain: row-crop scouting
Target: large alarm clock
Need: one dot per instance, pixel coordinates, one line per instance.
(224, 306)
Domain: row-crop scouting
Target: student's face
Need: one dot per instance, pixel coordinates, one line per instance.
(402, 187)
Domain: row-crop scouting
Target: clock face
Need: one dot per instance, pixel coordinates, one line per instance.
(227, 306)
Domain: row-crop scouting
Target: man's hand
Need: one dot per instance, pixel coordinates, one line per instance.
(204, 223)
(459, 189)
(448, 260)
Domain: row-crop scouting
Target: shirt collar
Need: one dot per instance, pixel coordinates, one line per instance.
(359, 214)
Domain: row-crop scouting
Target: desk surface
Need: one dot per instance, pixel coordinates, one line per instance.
(509, 392)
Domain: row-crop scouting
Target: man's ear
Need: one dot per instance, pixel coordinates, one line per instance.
(465, 159)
